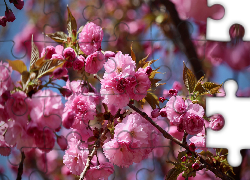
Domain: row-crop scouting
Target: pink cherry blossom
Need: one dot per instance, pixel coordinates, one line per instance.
(102, 171)
(139, 91)
(59, 50)
(16, 135)
(199, 141)
(82, 131)
(5, 77)
(120, 64)
(176, 107)
(83, 106)
(46, 109)
(75, 157)
(68, 118)
(80, 86)
(57, 56)
(69, 54)
(19, 107)
(113, 91)
(90, 38)
(109, 54)
(216, 122)
(48, 52)
(193, 123)
(119, 152)
(78, 63)
(94, 62)
(133, 130)
(45, 139)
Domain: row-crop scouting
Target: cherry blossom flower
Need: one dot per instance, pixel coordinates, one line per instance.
(90, 38)
(94, 62)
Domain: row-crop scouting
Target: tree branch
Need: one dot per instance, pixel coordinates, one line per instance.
(168, 136)
(20, 168)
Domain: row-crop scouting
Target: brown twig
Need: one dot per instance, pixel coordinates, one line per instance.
(96, 146)
(168, 136)
(20, 168)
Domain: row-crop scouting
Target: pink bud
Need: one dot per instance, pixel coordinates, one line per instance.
(68, 119)
(10, 17)
(155, 113)
(65, 92)
(173, 92)
(183, 158)
(19, 4)
(148, 70)
(78, 64)
(60, 72)
(162, 99)
(109, 54)
(192, 147)
(6, 95)
(163, 113)
(3, 21)
(68, 64)
(195, 166)
(62, 142)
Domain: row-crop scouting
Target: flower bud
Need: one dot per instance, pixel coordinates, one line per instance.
(192, 147)
(65, 92)
(173, 92)
(62, 142)
(163, 113)
(155, 113)
(148, 70)
(10, 17)
(195, 166)
(184, 158)
(6, 95)
(68, 119)
(19, 4)
(162, 99)
(60, 72)
(109, 54)
(3, 21)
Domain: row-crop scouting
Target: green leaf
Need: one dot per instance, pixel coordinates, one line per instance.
(206, 153)
(212, 88)
(199, 88)
(49, 67)
(18, 65)
(58, 36)
(133, 54)
(174, 173)
(189, 79)
(152, 99)
(80, 29)
(71, 23)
